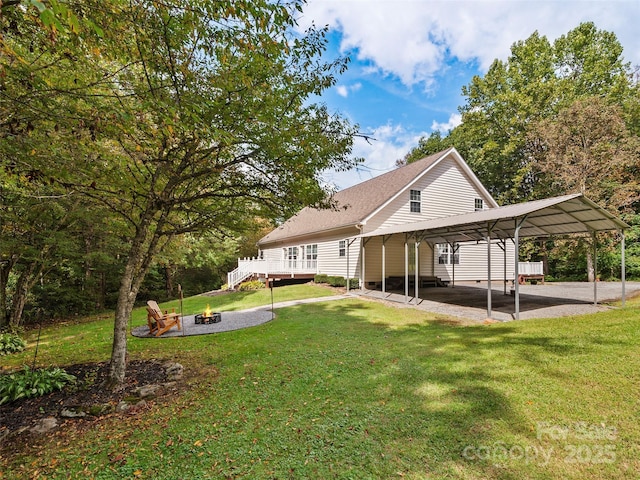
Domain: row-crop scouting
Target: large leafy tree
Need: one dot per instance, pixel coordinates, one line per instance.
(183, 117)
(538, 79)
(587, 148)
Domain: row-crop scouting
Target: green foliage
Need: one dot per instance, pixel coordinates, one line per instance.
(11, 343)
(428, 146)
(321, 278)
(32, 383)
(251, 285)
(538, 79)
(335, 281)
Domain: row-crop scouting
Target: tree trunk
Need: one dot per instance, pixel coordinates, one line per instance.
(139, 260)
(25, 282)
(591, 276)
(5, 269)
(168, 280)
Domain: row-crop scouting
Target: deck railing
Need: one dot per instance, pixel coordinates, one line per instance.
(248, 267)
(530, 268)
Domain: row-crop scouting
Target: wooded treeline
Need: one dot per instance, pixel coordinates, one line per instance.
(556, 118)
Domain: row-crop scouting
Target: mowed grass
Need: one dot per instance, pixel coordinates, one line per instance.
(358, 389)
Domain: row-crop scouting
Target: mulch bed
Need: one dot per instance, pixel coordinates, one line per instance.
(17, 417)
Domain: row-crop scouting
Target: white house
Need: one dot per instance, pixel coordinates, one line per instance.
(331, 242)
(428, 223)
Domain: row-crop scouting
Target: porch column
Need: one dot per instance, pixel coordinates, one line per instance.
(622, 267)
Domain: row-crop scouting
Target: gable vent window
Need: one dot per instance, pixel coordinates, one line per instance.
(415, 203)
(479, 204)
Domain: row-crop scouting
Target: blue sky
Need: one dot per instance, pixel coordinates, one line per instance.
(410, 59)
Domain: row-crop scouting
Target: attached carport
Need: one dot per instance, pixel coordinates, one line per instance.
(568, 214)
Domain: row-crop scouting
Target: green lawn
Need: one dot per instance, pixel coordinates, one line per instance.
(356, 389)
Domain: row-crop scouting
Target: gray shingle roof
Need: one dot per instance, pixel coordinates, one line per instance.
(354, 204)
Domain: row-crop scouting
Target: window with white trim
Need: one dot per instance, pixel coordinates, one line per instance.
(415, 201)
(479, 204)
(446, 255)
(292, 256)
(342, 248)
(311, 255)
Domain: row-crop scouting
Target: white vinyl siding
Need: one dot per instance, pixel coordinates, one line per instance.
(473, 263)
(445, 190)
(395, 260)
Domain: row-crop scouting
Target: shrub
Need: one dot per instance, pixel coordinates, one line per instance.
(336, 281)
(354, 283)
(11, 343)
(251, 285)
(32, 383)
(321, 278)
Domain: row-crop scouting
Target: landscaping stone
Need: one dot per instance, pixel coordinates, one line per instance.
(45, 425)
(175, 372)
(147, 391)
(73, 412)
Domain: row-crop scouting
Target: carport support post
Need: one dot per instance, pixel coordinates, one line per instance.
(504, 253)
(622, 266)
(384, 265)
(453, 259)
(406, 269)
(417, 274)
(516, 241)
(595, 268)
(489, 273)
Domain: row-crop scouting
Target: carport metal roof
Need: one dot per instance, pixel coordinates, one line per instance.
(552, 216)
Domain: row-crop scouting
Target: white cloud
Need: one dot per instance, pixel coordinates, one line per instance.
(414, 39)
(454, 120)
(387, 144)
(345, 90)
(342, 90)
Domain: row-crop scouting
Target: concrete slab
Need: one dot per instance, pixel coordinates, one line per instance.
(469, 300)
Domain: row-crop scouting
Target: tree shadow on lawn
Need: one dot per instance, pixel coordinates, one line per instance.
(433, 392)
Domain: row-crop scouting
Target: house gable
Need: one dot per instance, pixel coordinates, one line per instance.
(447, 187)
(368, 205)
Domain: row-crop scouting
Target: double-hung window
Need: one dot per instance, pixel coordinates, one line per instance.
(448, 254)
(342, 248)
(292, 256)
(312, 256)
(415, 205)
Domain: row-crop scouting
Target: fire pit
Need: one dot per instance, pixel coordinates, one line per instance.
(208, 317)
